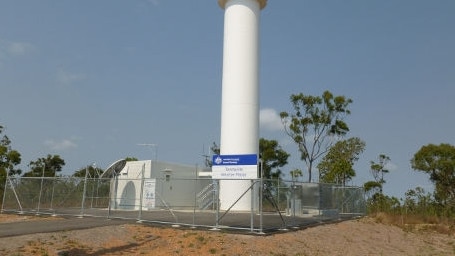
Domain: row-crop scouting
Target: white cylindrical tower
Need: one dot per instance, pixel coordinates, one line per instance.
(240, 92)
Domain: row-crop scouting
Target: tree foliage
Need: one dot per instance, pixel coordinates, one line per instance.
(337, 166)
(9, 158)
(215, 150)
(130, 159)
(93, 172)
(378, 169)
(273, 157)
(418, 202)
(314, 121)
(295, 174)
(383, 203)
(47, 167)
(439, 162)
(372, 187)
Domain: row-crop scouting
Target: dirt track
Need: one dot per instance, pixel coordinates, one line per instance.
(355, 237)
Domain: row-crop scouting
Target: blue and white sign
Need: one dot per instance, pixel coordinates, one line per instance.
(244, 167)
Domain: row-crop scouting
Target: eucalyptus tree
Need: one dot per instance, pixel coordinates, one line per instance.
(295, 174)
(91, 171)
(337, 166)
(273, 157)
(131, 159)
(378, 169)
(439, 162)
(9, 159)
(215, 150)
(315, 123)
(377, 200)
(47, 166)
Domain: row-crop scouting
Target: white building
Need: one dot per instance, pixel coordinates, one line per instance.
(157, 185)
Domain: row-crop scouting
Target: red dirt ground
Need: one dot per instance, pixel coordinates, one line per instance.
(356, 237)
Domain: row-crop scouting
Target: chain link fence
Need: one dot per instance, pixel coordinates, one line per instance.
(276, 205)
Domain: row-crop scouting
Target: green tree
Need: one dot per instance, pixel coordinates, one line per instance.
(337, 166)
(383, 203)
(295, 174)
(9, 159)
(214, 150)
(130, 159)
(439, 162)
(273, 157)
(378, 169)
(314, 122)
(50, 165)
(93, 172)
(372, 188)
(418, 202)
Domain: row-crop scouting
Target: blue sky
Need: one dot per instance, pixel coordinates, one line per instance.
(89, 80)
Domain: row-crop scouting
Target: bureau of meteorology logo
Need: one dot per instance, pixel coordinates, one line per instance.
(218, 160)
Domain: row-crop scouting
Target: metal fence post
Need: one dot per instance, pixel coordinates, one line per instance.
(83, 193)
(293, 202)
(217, 198)
(112, 194)
(15, 194)
(195, 195)
(52, 196)
(141, 196)
(4, 191)
(41, 190)
(252, 208)
(261, 196)
(277, 190)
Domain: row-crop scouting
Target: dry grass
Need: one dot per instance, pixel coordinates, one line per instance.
(417, 223)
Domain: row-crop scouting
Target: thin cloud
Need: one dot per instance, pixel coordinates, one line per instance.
(67, 78)
(9, 48)
(154, 2)
(391, 166)
(19, 48)
(270, 120)
(61, 145)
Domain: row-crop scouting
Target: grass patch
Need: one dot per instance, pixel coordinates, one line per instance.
(417, 223)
